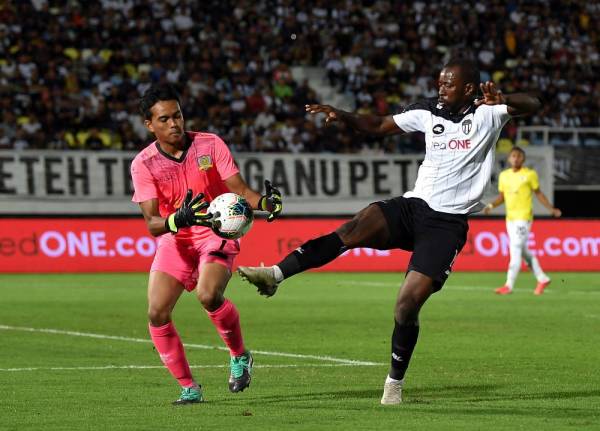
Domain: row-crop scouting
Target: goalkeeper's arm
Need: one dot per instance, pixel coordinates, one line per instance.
(271, 201)
(189, 214)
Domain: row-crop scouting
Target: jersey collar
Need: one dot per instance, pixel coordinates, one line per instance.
(188, 144)
(454, 117)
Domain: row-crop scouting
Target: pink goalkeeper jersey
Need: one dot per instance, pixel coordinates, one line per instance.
(203, 167)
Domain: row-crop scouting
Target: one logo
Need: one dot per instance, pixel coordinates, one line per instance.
(204, 163)
(438, 129)
(466, 126)
(453, 144)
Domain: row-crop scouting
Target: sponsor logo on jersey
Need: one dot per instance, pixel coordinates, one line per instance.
(204, 163)
(438, 129)
(453, 144)
(466, 126)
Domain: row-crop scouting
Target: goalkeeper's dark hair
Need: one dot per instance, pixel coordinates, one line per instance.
(154, 94)
(469, 70)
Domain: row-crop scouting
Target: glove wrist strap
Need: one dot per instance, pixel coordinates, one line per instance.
(170, 224)
(263, 203)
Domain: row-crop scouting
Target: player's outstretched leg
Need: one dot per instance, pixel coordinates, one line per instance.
(191, 395)
(312, 254)
(368, 228)
(241, 372)
(264, 278)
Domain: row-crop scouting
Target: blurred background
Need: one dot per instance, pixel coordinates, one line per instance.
(72, 72)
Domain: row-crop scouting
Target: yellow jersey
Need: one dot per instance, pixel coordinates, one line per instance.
(518, 188)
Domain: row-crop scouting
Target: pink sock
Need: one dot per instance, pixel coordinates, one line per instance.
(169, 347)
(227, 321)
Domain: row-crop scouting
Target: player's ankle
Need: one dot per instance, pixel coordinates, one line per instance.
(278, 274)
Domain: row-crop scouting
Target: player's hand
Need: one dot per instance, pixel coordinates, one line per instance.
(271, 201)
(491, 95)
(190, 214)
(487, 209)
(329, 111)
(556, 212)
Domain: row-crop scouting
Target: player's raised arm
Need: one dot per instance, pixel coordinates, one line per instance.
(518, 103)
(370, 124)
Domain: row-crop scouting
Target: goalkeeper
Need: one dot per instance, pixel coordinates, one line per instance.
(171, 177)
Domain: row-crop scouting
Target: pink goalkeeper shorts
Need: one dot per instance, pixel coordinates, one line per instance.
(184, 259)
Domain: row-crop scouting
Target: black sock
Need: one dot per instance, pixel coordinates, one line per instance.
(312, 254)
(404, 339)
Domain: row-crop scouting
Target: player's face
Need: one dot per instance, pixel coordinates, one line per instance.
(516, 159)
(166, 122)
(453, 93)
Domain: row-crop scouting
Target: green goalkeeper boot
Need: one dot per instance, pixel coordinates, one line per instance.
(190, 395)
(241, 372)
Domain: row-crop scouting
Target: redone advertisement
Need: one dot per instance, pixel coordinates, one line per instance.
(105, 245)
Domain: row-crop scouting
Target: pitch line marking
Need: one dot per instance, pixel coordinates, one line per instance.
(470, 288)
(152, 367)
(193, 346)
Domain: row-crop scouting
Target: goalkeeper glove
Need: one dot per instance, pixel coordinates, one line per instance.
(271, 201)
(189, 214)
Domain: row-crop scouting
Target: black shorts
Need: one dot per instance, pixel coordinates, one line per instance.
(434, 237)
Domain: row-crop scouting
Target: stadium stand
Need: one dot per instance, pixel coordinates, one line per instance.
(71, 72)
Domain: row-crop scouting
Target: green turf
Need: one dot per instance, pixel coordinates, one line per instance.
(482, 361)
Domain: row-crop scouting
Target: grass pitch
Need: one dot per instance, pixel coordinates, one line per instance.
(75, 355)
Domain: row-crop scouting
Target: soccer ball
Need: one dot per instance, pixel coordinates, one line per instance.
(233, 215)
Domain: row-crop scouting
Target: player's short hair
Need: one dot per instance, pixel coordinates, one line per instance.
(468, 69)
(154, 94)
(518, 149)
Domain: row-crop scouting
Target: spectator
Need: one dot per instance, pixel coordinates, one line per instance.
(83, 65)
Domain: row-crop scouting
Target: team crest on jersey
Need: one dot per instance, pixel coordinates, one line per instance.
(438, 129)
(466, 126)
(204, 163)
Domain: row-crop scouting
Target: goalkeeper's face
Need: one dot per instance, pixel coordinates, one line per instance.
(166, 122)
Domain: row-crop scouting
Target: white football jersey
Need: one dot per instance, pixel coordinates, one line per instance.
(459, 153)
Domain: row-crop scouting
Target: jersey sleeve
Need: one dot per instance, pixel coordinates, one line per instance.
(534, 181)
(413, 120)
(500, 115)
(143, 182)
(224, 160)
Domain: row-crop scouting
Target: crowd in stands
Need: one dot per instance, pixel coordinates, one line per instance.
(72, 72)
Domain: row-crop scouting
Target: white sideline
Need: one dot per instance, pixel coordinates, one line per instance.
(399, 282)
(150, 367)
(193, 346)
(467, 288)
